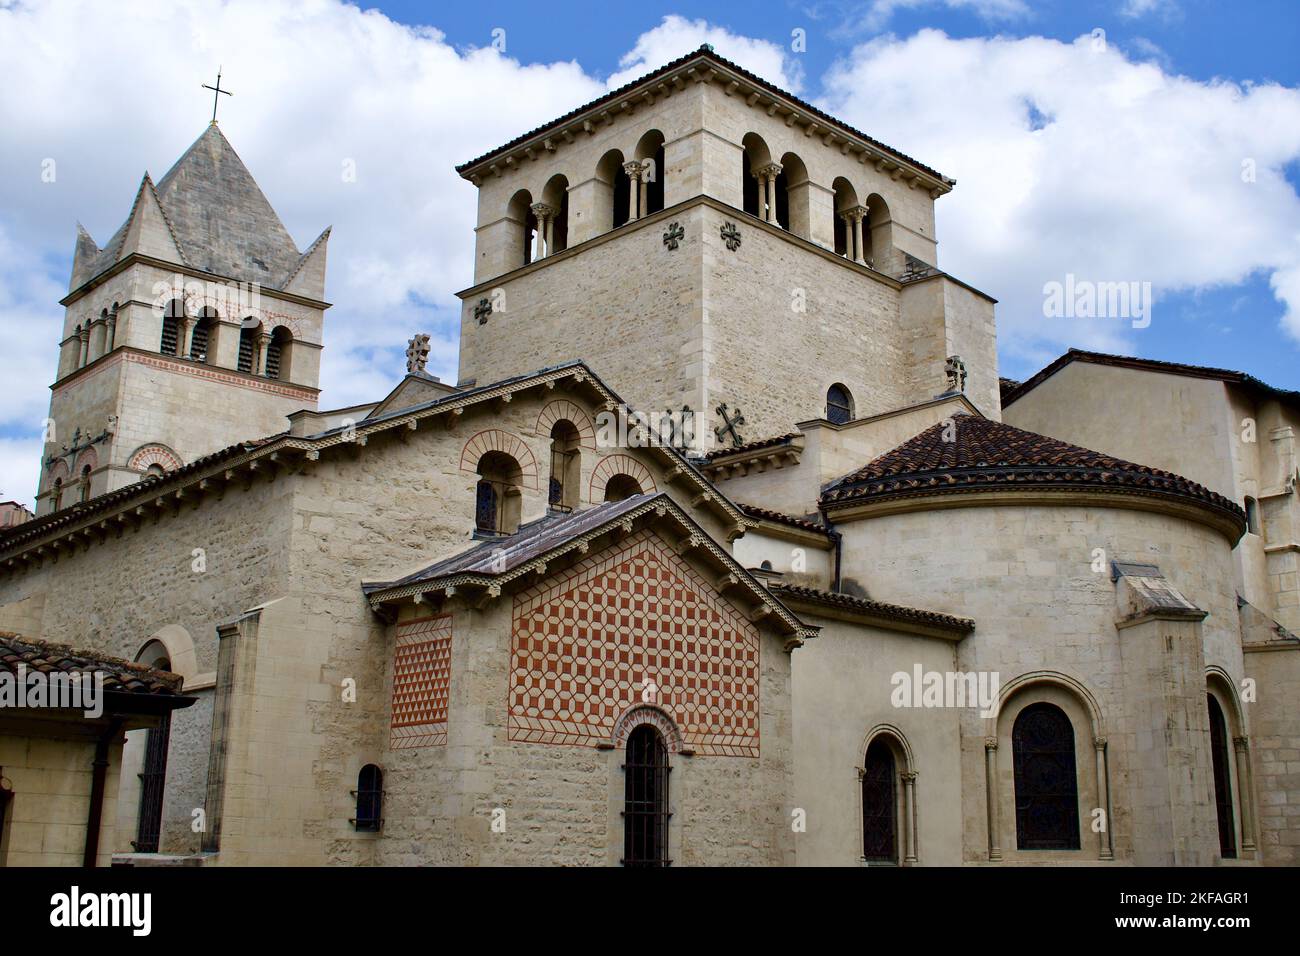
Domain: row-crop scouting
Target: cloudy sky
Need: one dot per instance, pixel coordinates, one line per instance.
(1117, 140)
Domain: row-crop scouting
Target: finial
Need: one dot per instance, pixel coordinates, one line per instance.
(417, 353)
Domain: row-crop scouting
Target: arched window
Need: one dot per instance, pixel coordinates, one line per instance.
(793, 196)
(201, 337)
(173, 314)
(58, 494)
(615, 189)
(645, 799)
(1222, 781)
(1047, 792)
(566, 466)
(621, 487)
(85, 483)
(277, 353)
(555, 195)
(880, 804)
(846, 200)
(153, 772)
(650, 151)
(248, 332)
(877, 233)
(754, 161)
(370, 800)
(498, 502)
(839, 404)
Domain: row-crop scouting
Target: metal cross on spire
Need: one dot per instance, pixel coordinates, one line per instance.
(217, 92)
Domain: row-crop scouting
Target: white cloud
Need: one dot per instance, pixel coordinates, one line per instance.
(1137, 174)
(676, 36)
(1133, 9)
(856, 18)
(315, 84)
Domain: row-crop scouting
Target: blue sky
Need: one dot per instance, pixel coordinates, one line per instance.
(1114, 161)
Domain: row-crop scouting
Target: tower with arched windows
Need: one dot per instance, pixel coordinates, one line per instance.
(195, 326)
(751, 248)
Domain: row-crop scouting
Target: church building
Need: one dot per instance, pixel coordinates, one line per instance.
(728, 546)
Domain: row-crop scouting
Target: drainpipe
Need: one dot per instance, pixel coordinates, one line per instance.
(839, 547)
(99, 772)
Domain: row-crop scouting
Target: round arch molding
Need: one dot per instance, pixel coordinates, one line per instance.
(560, 410)
(655, 716)
(495, 439)
(153, 453)
(612, 465)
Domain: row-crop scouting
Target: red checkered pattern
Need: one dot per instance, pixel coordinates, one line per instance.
(421, 678)
(633, 624)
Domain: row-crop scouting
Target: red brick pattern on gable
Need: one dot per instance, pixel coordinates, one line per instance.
(629, 625)
(421, 679)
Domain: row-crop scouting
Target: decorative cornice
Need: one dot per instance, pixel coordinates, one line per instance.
(218, 373)
(703, 66)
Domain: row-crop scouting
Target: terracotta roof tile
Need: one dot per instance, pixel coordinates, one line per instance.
(896, 611)
(986, 454)
(120, 675)
(755, 445)
(782, 518)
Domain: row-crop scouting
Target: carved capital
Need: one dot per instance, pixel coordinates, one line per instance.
(633, 168)
(543, 211)
(990, 743)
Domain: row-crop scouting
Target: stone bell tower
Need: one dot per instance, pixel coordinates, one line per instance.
(196, 326)
(703, 238)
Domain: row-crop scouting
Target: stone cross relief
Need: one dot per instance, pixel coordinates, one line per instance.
(955, 369)
(729, 426)
(417, 353)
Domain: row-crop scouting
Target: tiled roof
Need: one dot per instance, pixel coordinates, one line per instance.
(1149, 365)
(757, 445)
(895, 611)
(82, 509)
(119, 675)
(497, 556)
(781, 518)
(703, 53)
(984, 454)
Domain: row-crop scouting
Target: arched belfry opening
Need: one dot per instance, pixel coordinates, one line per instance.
(553, 220)
(650, 153)
(520, 212)
(755, 166)
(614, 189)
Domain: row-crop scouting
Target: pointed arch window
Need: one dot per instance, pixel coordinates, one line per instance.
(1222, 781)
(645, 799)
(1046, 779)
(370, 800)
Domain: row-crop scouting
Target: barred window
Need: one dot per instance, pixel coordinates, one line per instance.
(839, 405)
(645, 799)
(1222, 784)
(879, 805)
(370, 800)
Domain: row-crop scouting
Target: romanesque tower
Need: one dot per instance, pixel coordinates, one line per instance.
(703, 238)
(196, 326)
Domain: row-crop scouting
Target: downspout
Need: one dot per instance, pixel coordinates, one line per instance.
(99, 772)
(839, 546)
